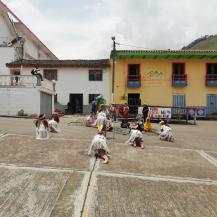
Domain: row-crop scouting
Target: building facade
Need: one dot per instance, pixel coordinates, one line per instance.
(78, 82)
(17, 41)
(166, 78)
(19, 91)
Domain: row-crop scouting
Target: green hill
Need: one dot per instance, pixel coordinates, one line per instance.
(207, 42)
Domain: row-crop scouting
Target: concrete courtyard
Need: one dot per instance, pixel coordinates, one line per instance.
(56, 178)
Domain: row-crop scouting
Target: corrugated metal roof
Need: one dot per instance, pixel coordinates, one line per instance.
(101, 63)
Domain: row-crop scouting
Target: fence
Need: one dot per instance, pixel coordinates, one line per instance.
(164, 112)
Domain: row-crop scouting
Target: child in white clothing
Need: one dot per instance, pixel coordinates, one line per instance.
(54, 124)
(165, 132)
(136, 137)
(99, 147)
(41, 127)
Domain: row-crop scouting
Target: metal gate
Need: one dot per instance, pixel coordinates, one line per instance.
(212, 103)
(46, 104)
(179, 103)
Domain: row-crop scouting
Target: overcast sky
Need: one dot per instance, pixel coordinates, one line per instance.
(82, 29)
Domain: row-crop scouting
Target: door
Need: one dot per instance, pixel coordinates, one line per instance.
(76, 103)
(212, 103)
(133, 102)
(179, 103)
(46, 104)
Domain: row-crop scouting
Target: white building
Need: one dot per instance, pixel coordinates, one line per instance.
(17, 92)
(77, 81)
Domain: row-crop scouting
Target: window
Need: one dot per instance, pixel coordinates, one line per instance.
(178, 68)
(133, 72)
(179, 77)
(50, 74)
(92, 97)
(212, 68)
(95, 75)
(211, 74)
(55, 98)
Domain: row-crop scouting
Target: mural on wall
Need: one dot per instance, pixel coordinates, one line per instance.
(155, 77)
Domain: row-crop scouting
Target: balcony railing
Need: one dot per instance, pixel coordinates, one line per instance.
(179, 80)
(211, 80)
(134, 81)
(19, 81)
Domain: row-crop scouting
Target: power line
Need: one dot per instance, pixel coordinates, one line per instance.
(128, 45)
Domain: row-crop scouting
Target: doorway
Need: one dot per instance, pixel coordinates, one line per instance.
(179, 104)
(75, 103)
(46, 104)
(133, 102)
(212, 103)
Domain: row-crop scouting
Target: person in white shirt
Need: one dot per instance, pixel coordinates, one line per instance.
(99, 147)
(101, 121)
(91, 120)
(54, 124)
(165, 132)
(41, 127)
(136, 137)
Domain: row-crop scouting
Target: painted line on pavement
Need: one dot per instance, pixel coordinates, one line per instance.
(159, 178)
(118, 143)
(58, 196)
(2, 135)
(43, 169)
(50, 137)
(169, 147)
(208, 157)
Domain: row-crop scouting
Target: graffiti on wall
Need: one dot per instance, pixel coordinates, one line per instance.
(153, 75)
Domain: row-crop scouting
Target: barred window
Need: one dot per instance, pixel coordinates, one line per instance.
(50, 74)
(212, 68)
(178, 68)
(95, 75)
(92, 97)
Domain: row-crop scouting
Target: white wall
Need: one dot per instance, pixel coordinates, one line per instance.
(76, 80)
(32, 49)
(5, 34)
(7, 55)
(14, 99)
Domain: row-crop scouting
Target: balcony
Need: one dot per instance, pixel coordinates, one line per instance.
(211, 80)
(22, 81)
(179, 80)
(134, 81)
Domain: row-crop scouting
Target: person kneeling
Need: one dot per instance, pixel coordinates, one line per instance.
(136, 137)
(41, 127)
(99, 147)
(54, 124)
(166, 132)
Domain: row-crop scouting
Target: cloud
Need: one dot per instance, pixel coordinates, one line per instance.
(83, 29)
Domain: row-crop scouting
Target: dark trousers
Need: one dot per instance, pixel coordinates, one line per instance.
(145, 115)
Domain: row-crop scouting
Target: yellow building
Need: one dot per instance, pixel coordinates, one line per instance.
(182, 78)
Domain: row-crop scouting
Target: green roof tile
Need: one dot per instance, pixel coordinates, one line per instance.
(164, 53)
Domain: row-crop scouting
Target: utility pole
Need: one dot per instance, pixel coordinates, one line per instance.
(113, 68)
